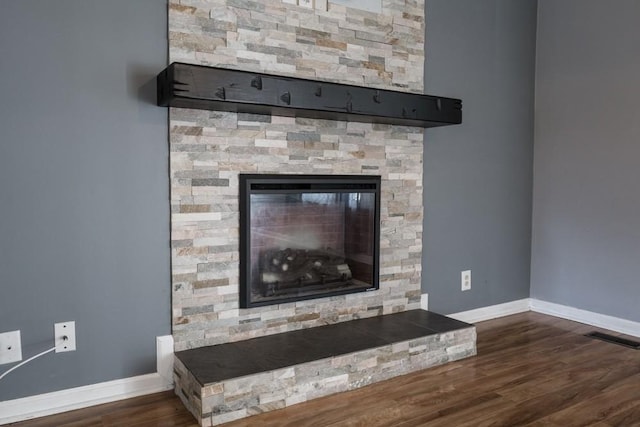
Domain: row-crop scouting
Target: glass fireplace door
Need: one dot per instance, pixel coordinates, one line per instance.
(307, 237)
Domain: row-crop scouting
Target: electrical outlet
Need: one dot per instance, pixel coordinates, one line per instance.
(465, 280)
(10, 347)
(65, 336)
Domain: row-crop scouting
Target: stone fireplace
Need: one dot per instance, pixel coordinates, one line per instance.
(213, 154)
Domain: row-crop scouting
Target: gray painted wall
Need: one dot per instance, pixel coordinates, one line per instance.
(84, 230)
(478, 176)
(586, 205)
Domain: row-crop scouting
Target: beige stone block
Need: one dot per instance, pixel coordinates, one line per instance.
(295, 399)
(228, 416)
(213, 389)
(367, 363)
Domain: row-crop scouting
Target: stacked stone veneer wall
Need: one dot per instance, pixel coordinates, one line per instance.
(209, 149)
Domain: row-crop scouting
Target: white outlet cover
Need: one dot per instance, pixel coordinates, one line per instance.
(10, 347)
(61, 330)
(465, 279)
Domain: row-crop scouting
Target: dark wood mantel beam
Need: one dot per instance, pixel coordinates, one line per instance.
(209, 88)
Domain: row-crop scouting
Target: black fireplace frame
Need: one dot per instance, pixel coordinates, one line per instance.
(310, 183)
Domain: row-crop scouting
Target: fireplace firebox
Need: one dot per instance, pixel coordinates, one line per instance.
(307, 236)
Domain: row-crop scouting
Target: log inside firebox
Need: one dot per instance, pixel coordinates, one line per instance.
(289, 270)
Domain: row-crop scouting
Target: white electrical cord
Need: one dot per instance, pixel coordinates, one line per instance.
(27, 361)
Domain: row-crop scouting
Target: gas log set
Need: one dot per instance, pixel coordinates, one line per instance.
(291, 269)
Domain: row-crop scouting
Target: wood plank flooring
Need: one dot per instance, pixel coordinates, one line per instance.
(531, 369)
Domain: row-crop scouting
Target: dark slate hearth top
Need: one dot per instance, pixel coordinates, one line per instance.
(232, 360)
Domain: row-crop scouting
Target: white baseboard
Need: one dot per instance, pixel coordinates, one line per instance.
(80, 397)
(493, 311)
(424, 302)
(604, 321)
(615, 324)
(95, 394)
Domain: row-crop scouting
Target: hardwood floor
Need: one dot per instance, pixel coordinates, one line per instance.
(531, 369)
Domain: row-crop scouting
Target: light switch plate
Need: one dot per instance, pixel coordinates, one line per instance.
(10, 347)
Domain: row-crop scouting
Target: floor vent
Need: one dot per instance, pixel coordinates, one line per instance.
(615, 340)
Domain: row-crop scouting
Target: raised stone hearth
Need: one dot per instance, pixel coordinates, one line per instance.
(235, 380)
